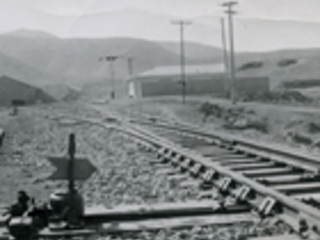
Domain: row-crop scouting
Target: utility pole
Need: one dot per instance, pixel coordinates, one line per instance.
(229, 5)
(111, 59)
(182, 23)
(225, 57)
(130, 66)
(71, 151)
(132, 85)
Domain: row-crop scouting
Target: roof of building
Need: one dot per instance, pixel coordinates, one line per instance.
(189, 70)
(12, 89)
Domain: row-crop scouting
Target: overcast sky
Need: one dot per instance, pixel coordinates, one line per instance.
(41, 14)
(302, 10)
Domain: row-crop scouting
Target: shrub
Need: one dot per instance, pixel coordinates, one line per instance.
(254, 64)
(209, 109)
(286, 62)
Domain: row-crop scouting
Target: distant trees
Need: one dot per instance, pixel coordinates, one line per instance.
(286, 62)
(259, 64)
(305, 83)
(249, 65)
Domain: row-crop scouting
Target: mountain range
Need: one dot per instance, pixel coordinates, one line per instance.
(251, 34)
(42, 59)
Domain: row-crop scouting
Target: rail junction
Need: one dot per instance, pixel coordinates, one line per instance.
(255, 182)
(274, 182)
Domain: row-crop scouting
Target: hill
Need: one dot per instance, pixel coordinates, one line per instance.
(11, 89)
(38, 58)
(283, 66)
(75, 61)
(30, 34)
(195, 52)
(20, 69)
(61, 92)
(257, 33)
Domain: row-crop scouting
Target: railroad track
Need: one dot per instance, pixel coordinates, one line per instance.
(273, 182)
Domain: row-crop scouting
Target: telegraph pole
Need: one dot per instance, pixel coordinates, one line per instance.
(182, 23)
(229, 5)
(111, 59)
(71, 151)
(132, 83)
(130, 66)
(225, 57)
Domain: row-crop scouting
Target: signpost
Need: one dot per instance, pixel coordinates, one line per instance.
(82, 169)
(72, 169)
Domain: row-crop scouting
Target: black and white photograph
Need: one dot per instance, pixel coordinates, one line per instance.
(160, 119)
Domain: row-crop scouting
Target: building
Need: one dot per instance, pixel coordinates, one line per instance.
(200, 80)
(14, 92)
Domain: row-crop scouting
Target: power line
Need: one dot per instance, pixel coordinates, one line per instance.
(130, 66)
(229, 5)
(111, 59)
(130, 72)
(182, 23)
(225, 57)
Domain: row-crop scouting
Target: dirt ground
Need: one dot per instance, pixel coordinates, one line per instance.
(124, 175)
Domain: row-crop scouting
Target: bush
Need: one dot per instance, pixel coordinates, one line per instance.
(255, 64)
(299, 138)
(285, 96)
(286, 62)
(243, 123)
(209, 109)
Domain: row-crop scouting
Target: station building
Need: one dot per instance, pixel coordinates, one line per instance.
(200, 80)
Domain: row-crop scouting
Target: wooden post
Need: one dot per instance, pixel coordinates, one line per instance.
(72, 150)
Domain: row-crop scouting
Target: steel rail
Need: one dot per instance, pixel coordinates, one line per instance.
(301, 210)
(281, 154)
